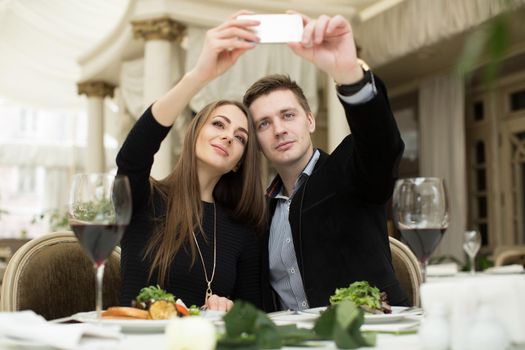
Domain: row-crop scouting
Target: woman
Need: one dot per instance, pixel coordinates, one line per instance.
(193, 233)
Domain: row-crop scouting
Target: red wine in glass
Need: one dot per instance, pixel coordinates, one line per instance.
(422, 241)
(420, 211)
(99, 212)
(98, 241)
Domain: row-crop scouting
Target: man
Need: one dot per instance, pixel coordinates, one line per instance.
(328, 215)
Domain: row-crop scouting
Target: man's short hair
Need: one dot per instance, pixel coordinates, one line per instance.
(271, 83)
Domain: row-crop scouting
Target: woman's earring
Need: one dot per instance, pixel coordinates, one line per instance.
(235, 168)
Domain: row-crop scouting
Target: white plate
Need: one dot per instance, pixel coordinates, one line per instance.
(125, 325)
(142, 326)
(396, 315)
(315, 310)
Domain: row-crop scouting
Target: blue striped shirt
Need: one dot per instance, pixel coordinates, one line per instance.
(285, 277)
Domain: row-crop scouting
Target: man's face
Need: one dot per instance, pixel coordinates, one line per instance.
(283, 128)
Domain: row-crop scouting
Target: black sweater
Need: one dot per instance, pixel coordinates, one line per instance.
(338, 216)
(237, 268)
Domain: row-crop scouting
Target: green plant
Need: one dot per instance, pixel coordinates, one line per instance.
(246, 327)
(487, 45)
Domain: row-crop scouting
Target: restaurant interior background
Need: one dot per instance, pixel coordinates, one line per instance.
(75, 75)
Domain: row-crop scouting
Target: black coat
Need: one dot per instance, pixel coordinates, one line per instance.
(338, 216)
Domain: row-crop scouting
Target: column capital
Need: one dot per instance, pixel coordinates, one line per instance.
(162, 28)
(95, 89)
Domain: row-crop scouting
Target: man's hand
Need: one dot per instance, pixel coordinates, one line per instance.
(223, 46)
(328, 42)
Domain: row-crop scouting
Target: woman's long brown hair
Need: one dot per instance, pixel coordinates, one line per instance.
(240, 192)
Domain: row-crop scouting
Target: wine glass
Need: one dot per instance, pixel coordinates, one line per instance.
(471, 245)
(421, 215)
(99, 212)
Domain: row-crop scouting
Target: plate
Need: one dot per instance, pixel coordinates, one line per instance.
(125, 325)
(398, 313)
(142, 326)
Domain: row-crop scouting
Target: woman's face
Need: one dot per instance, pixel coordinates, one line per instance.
(222, 139)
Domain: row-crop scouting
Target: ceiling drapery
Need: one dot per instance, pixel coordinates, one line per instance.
(40, 42)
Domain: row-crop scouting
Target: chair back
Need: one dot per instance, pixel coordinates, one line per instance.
(5, 255)
(52, 276)
(407, 269)
(510, 255)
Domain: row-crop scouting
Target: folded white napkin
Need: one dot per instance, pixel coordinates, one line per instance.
(515, 268)
(463, 298)
(447, 269)
(28, 326)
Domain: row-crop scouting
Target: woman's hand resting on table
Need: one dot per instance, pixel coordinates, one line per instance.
(218, 303)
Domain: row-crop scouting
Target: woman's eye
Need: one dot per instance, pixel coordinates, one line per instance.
(241, 139)
(218, 124)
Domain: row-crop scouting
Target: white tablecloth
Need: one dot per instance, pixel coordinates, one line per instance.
(158, 342)
(464, 296)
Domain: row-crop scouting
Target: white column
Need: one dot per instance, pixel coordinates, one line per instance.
(95, 157)
(442, 141)
(96, 91)
(337, 125)
(158, 65)
(157, 76)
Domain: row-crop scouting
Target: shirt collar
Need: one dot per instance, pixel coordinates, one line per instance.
(276, 186)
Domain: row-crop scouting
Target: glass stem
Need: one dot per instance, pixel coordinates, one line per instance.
(423, 265)
(472, 265)
(99, 278)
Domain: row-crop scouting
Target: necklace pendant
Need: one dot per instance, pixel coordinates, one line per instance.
(209, 292)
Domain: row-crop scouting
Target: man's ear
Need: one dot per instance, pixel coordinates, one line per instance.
(311, 122)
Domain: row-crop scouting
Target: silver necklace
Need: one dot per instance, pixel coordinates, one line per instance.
(209, 292)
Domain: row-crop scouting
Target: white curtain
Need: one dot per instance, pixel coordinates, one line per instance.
(56, 189)
(263, 60)
(256, 63)
(132, 86)
(40, 42)
(414, 24)
(49, 156)
(442, 127)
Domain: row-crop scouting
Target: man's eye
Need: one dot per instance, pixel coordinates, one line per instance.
(263, 125)
(288, 115)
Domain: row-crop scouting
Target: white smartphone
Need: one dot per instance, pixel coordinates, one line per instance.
(279, 28)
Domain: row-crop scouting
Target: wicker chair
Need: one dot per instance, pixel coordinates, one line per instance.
(52, 276)
(407, 269)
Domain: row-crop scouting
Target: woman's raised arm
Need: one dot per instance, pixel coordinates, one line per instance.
(222, 47)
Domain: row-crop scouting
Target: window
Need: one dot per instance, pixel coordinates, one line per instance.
(479, 111)
(517, 100)
(478, 190)
(26, 179)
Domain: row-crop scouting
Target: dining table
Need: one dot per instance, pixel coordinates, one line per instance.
(157, 338)
(400, 330)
